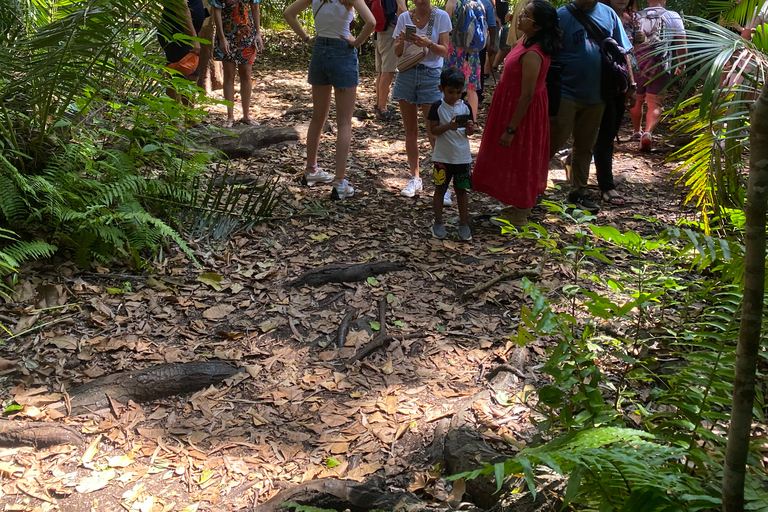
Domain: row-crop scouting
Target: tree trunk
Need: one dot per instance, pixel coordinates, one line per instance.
(211, 74)
(751, 316)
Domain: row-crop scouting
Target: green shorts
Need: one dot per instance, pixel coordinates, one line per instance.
(461, 174)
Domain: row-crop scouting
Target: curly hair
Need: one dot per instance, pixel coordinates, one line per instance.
(549, 36)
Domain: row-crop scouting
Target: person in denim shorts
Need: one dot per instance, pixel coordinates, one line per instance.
(333, 67)
(419, 86)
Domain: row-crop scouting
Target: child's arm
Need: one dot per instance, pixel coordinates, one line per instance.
(433, 118)
(439, 129)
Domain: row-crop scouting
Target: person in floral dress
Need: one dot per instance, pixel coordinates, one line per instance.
(237, 41)
(468, 62)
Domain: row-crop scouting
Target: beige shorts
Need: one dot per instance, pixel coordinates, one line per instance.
(386, 60)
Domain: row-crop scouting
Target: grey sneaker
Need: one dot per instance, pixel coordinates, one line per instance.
(447, 198)
(317, 176)
(636, 136)
(438, 230)
(413, 186)
(464, 232)
(342, 190)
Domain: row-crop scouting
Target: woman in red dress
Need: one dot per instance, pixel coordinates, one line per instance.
(513, 160)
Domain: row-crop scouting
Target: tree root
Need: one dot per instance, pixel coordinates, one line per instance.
(340, 273)
(534, 273)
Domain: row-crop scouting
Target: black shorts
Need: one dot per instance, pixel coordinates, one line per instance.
(461, 174)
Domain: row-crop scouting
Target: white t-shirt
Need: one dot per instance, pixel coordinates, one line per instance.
(452, 146)
(442, 25)
(331, 19)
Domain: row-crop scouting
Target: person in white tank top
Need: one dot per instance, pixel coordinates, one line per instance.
(334, 67)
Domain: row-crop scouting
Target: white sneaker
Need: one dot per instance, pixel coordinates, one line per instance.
(413, 186)
(447, 198)
(342, 190)
(318, 176)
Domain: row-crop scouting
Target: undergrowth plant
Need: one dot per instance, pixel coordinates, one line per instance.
(95, 158)
(640, 371)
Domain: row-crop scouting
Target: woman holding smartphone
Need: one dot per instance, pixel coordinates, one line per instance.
(333, 68)
(418, 87)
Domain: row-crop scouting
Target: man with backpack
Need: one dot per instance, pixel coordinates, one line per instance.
(582, 101)
(658, 28)
(385, 12)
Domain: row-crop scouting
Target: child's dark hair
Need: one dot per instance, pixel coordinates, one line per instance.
(549, 36)
(452, 77)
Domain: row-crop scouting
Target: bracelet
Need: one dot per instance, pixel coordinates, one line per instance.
(633, 86)
(306, 38)
(511, 131)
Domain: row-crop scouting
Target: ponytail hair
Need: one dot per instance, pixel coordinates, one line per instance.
(549, 36)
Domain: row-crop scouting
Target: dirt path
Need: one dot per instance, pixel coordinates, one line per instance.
(297, 413)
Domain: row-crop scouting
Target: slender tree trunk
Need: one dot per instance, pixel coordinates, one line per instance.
(210, 71)
(751, 316)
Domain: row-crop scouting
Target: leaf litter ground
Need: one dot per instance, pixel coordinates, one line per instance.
(296, 413)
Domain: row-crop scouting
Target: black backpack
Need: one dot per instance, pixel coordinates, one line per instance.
(614, 76)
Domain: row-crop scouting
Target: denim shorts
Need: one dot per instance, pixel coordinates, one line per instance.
(418, 85)
(334, 62)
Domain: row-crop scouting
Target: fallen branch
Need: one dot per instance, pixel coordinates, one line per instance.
(341, 273)
(344, 327)
(378, 342)
(534, 273)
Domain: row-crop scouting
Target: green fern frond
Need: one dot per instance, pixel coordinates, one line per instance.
(22, 251)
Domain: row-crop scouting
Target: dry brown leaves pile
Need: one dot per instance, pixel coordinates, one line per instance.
(297, 413)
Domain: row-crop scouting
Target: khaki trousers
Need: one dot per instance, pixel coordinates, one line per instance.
(583, 122)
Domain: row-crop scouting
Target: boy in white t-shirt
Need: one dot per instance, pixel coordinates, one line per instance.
(451, 121)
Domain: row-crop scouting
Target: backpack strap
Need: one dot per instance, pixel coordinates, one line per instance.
(431, 21)
(594, 32)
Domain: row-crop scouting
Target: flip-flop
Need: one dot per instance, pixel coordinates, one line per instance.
(230, 123)
(249, 121)
(612, 197)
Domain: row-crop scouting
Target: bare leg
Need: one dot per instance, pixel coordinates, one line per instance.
(654, 112)
(425, 110)
(229, 87)
(382, 89)
(462, 199)
(246, 87)
(472, 100)
(345, 104)
(437, 201)
(410, 113)
(321, 104)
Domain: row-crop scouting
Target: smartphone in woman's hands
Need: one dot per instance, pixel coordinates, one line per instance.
(410, 31)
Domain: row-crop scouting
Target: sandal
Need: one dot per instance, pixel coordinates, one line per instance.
(249, 121)
(230, 123)
(612, 197)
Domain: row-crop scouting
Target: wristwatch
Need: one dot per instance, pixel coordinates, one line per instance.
(511, 131)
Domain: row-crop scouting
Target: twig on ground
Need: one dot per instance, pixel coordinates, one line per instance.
(382, 316)
(534, 273)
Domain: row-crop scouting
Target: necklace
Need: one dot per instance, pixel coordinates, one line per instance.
(419, 19)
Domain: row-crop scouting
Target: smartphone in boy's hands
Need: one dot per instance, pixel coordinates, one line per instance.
(462, 119)
(410, 31)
